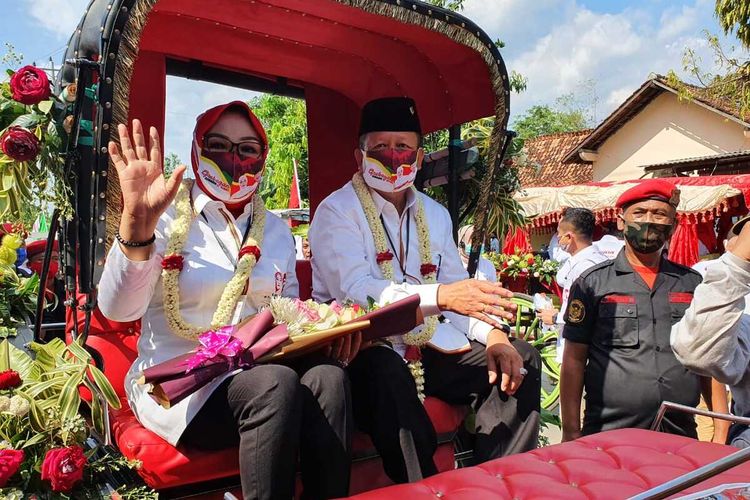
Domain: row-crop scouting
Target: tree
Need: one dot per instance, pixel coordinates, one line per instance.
(544, 119)
(730, 84)
(285, 120)
(171, 162)
(455, 5)
(734, 16)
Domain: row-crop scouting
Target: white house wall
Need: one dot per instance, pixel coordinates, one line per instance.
(665, 130)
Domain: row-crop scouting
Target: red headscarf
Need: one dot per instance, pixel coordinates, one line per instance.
(212, 180)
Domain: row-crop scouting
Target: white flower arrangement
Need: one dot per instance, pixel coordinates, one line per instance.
(306, 317)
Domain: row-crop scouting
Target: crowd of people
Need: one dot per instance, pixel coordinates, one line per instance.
(635, 329)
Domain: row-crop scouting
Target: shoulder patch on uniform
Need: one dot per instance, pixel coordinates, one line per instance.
(576, 311)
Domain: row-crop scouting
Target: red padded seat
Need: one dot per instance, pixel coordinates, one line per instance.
(165, 466)
(609, 465)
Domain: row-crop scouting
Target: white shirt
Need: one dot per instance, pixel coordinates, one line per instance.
(130, 290)
(568, 273)
(609, 246)
(345, 267)
(485, 269)
(713, 337)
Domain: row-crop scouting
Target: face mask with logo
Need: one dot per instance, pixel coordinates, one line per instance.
(646, 237)
(390, 170)
(227, 177)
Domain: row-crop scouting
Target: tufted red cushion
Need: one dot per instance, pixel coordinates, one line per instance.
(611, 465)
(165, 466)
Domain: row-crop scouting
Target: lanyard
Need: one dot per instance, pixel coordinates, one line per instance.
(401, 257)
(232, 258)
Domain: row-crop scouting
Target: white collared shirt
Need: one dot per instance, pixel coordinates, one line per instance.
(345, 266)
(609, 246)
(130, 290)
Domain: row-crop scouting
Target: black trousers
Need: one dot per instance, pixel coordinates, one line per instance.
(278, 414)
(386, 406)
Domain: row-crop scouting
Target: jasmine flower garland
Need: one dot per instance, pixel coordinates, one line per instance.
(173, 262)
(420, 335)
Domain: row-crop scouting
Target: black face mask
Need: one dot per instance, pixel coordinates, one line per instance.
(646, 237)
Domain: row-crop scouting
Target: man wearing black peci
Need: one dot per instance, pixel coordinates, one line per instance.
(377, 237)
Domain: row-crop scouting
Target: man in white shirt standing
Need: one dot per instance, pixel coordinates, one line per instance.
(378, 238)
(574, 232)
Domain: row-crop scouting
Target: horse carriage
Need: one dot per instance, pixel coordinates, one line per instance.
(337, 55)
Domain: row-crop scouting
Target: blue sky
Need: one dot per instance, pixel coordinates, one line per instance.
(600, 50)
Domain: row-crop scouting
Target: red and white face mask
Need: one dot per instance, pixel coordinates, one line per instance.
(227, 177)
(390, 170)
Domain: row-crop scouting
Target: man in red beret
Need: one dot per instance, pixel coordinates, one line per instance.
(618, 321)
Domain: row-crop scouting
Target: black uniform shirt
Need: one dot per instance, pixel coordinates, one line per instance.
(631, 368)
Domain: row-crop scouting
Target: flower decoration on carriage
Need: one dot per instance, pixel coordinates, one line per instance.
(46, 450)
(34, 127)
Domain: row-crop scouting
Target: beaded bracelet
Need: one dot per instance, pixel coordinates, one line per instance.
(134, 244)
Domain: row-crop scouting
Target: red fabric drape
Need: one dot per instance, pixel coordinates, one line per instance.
(707, 236)
(516, 240)
(683, 247)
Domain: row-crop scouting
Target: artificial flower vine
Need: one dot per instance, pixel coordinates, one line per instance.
(420, 335)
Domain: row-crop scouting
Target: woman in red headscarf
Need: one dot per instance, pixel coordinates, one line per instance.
(196, 255)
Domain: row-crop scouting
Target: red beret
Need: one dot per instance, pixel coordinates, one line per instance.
(37, 247)
(652, 189)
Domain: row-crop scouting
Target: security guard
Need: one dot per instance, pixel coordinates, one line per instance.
(618, 323)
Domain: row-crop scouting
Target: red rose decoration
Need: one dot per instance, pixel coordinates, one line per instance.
(250, 250)
(10, 461)
(413, 353)
(384, 257)
(19, 143)
(63, 467)
(530, 260)
(10, 379)
(426, 269)
(30, 85)
(171, 262)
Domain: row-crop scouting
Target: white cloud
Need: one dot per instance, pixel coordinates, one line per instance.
(57, 16)
(186, 99)
(560, 44)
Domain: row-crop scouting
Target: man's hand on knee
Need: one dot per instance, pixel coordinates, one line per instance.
(503, 357)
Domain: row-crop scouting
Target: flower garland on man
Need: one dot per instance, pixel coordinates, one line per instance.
(194, 258)
(378, 239)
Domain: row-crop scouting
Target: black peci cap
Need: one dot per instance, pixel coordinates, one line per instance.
(390, 114)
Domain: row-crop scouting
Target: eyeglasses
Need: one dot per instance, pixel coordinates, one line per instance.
(216, 143)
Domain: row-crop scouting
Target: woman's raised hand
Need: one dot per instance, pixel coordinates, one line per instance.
(146, 194)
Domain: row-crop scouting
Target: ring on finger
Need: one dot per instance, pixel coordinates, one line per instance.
(523, 371)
